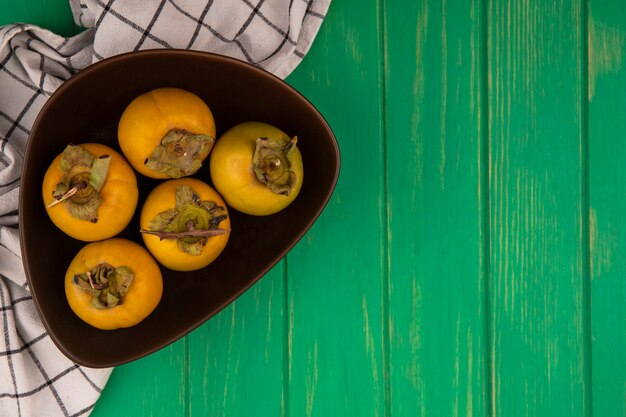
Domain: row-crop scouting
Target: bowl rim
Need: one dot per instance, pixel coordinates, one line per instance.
(171, 53)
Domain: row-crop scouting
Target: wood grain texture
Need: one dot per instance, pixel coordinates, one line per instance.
(607, 185)
(156, 385)
(436, 201)
(536, 209)
(236, 359)
(470, 262)
(335, 274)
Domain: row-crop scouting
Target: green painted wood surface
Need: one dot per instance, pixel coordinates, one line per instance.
(336, 303)
(538, 237)
(471, 261)
(54, 15)
(236, 360)
(436, 167)
(606, 96)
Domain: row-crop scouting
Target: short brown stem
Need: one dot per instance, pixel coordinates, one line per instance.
(189, 233)
(65, 196)
(93, 284)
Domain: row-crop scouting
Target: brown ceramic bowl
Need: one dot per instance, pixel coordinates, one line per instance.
(87, 108)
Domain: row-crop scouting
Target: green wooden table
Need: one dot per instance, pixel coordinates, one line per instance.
(472, 260)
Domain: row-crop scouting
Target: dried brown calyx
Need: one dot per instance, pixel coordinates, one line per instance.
(272, 161)
(79, 189)
(179, 153)
(191, 222)
(106, 284)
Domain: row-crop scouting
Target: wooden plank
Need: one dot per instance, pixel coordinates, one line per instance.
(607, 146)
(436, 202)
(537, 159)
(335, 274)
(153, 386)
(54, 15)
(236, 359)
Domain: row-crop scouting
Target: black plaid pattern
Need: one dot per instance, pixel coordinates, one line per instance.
(35, 378)
(273, 34)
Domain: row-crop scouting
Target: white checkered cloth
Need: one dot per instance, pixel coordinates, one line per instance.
(35, 378)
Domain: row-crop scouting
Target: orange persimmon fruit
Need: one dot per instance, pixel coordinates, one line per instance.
(166, 133)
(185, 224)
(257, 168)
(90, 192)
(113, 284)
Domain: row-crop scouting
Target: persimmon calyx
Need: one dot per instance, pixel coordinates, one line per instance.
(271, 163)
(191, 222)
(106, 284)
(179, 153)
(79, 189)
